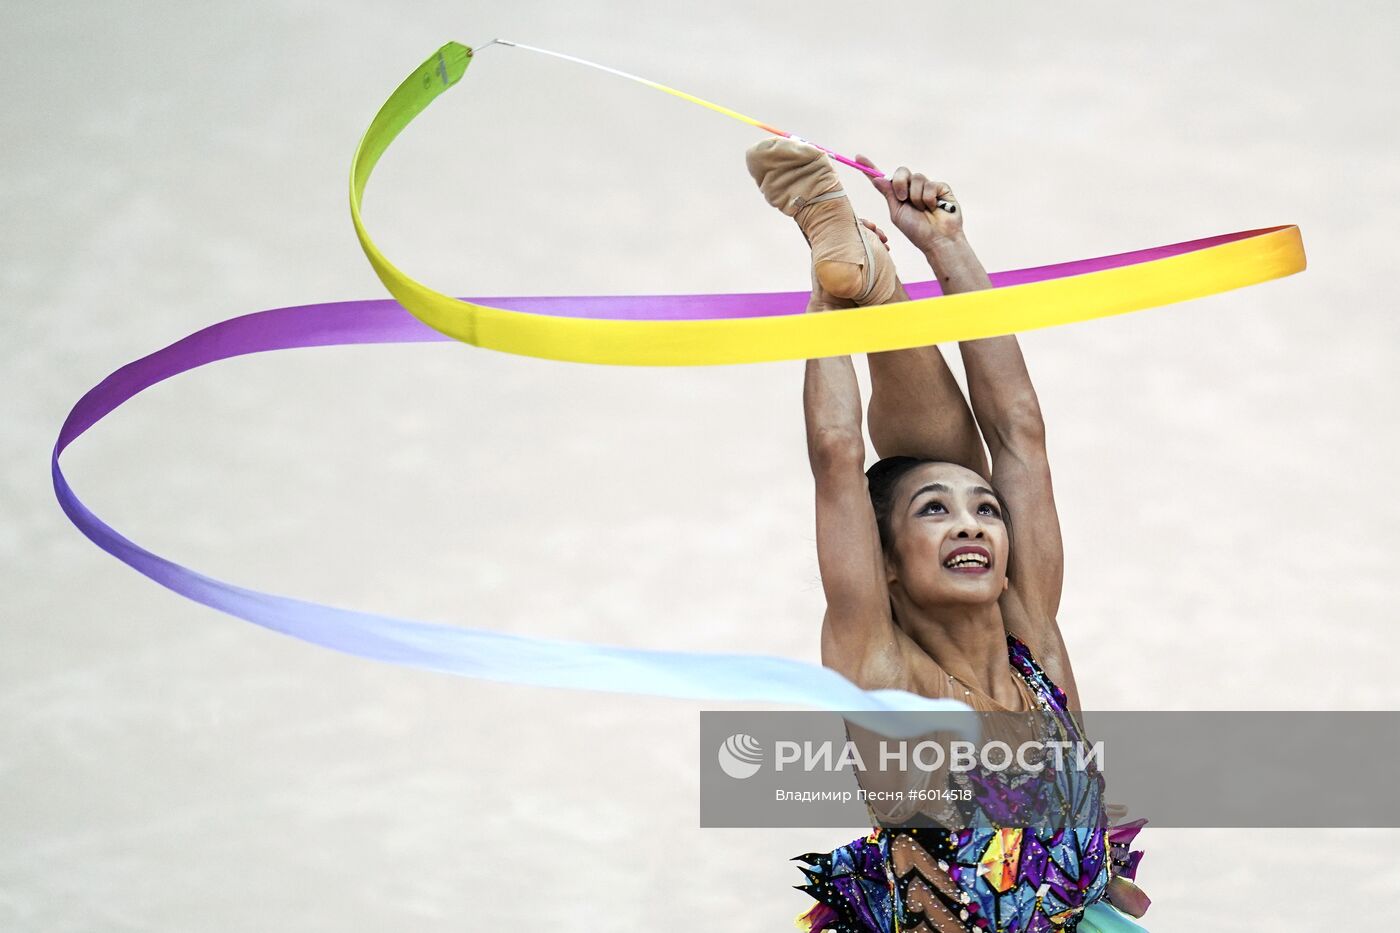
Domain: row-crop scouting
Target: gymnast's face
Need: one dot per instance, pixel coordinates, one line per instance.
(950, 542)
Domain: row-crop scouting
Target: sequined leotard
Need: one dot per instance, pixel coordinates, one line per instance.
(993, 878)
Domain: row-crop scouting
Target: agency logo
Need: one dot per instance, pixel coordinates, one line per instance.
(740, 756)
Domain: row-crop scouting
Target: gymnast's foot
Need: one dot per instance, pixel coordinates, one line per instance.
(850, 263)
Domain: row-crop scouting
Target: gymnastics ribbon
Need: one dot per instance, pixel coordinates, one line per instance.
(466, 651)
(597, 331)
(635, 330)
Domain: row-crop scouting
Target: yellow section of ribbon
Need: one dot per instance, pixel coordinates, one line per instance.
(1258, 258)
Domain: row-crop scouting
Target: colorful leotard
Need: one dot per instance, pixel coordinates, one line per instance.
(991, 878)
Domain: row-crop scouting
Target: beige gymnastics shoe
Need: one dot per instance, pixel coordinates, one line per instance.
(850, 266)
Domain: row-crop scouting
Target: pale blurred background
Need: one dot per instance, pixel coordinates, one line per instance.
(1225, 469)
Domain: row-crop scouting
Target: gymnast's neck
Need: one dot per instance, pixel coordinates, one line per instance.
(967, 641)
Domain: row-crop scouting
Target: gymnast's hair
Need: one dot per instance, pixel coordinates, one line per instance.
(882, 478)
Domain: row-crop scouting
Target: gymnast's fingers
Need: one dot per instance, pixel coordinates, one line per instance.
(943, 197)
(882, 184)
(877, 231)
(919, 190)
(899, 184)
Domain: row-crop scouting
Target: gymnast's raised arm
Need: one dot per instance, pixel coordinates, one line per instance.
(1008, 416)
(858, 631)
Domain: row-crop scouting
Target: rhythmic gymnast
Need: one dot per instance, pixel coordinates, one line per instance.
(928, 587)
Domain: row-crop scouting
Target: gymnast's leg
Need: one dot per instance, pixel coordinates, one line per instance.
(916, 406)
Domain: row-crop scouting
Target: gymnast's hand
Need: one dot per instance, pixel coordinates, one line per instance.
(925, 211)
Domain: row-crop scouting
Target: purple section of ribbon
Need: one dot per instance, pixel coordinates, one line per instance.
(480, 652)
(765, 304)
